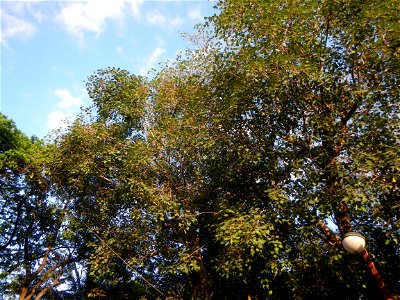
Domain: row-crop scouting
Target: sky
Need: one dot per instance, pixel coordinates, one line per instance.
(50, 48)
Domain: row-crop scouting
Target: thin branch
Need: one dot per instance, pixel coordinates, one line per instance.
(19, 213)
(333, 239)
(44, 261)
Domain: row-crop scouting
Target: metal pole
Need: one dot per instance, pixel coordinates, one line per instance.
(376, 275)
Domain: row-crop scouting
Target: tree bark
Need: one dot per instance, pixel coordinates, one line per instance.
(201, 287)
(342, 218)
(333, 239)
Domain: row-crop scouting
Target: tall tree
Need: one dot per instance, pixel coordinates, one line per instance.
(237, 169)
(34, 252)
(321, 81)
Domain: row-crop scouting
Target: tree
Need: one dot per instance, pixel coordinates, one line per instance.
(237, 169)
(321, 89)
(34, 253)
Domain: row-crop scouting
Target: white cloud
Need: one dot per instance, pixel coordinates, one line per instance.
(135, 4)
(77, 17)
(15, 27)
(151, 60)
(67, 108)
(195, 13)
(22, 19)
(158, 18)
(66, 99)
(154, 56)
(56, 120)
(175, 22)
(38, 15)
(88, 16)
(34, 0)
(91, 16)
(15, 8)
(119, 49)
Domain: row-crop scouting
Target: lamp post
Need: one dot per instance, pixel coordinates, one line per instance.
(354, 243)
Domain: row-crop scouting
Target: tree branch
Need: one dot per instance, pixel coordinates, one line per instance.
(333, 239)
(19, 212)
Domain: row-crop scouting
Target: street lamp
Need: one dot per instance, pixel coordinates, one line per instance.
(354, 243)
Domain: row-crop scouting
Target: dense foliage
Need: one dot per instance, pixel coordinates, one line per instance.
(234, 172)
(34, 252)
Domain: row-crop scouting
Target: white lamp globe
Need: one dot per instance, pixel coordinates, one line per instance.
(353, 243)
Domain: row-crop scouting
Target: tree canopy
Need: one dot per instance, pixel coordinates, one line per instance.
(234, 172)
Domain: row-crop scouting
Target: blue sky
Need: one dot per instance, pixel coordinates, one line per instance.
(49, 48)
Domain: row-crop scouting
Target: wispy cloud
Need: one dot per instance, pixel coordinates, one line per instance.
(90, 16)
(195, 13)
(135, 7)
(79, 18)
(175, 22)
(151, 60)
(39, 15)
(119, 49)
(158, 18)
(15, 27)
(56, 120)
(67, 107)
(66, 99)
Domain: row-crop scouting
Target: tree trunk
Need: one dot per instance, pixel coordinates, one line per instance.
(24, 291)
(199, 281)
(342, 219)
